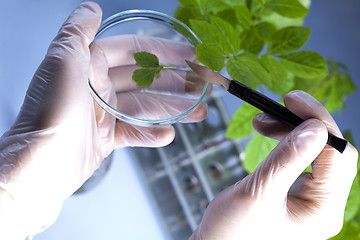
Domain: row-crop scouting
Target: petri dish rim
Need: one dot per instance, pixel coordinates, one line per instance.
(137, 14)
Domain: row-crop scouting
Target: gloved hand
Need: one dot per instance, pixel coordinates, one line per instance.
(61, 135)
(277, 201)
(112, 67)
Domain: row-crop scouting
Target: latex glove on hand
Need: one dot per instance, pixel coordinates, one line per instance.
(111, 71)
(61, 135)
(277, 200)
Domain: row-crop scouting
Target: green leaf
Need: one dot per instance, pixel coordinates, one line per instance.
(248, 70)
(350, 231)
(244, 16)
(144, 77)
(240, 125)
(219, 34)
(249, 3)
(289, 39)
(281, 22)
(146, 60)
(265, 31)
(252, 43)
(233, 3)
(227, 37)
(287, 8)
(344, 87)
(333, 90)
(353, 202)
(257, 150)
(210, 57)
(305, 64)
(185, 13)
(205, 31)
(229, 16)
(211, 6)
(261, 2)
(306, 84)
(280, 82)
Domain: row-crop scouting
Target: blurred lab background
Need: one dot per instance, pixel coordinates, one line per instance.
(164, 195)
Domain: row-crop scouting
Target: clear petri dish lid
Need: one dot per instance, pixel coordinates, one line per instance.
(175, 91)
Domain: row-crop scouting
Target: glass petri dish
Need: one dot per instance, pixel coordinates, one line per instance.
(175, 92)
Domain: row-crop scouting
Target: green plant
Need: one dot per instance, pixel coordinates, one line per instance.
(150, 68)
(258, 42)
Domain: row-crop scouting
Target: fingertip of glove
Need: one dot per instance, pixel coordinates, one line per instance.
(166, 135)
(83, 22)
(296, 97)
(264, 118)
(311, 134)
(314, 126)
(92, 6)
(159, 137)
(300, 94)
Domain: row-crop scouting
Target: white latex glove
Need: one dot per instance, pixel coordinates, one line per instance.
(61, 135)
(277, 201)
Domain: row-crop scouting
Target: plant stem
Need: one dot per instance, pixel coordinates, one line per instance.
(167, 67)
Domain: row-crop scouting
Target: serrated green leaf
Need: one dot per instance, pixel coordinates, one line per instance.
(281, 22)
(227, 37)
(278, 75)
(144, 77)
(146, 60)
(256, 9)
(257, 150)
(244, 16)
(287, 8)
(210, 57)
(267, 15)
(219, 34)
(289, 39)
(265, 31)
(305, 64)
(252, 43)
(240, 125)
(185, 13)
(228, 15)
(248, 70)
(211, 6)
(205, 31)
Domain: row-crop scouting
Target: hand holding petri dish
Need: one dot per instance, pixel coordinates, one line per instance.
(175, 91)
